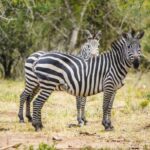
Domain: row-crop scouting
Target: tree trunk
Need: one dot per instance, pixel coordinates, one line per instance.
(73, 39)
(7, 74)
(7, 68)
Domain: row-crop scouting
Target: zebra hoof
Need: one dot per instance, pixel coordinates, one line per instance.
(38, 129)
(37, 126)
(21, 121)
(85, 122)
(29, 119)
(80, 124)
(110, 128)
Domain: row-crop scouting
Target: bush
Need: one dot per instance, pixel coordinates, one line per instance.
(144, 104)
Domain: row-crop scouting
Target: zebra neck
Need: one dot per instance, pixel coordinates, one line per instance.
(119, 49)
(85, 51)
(119, 62)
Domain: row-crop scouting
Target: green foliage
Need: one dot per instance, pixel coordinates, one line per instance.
(31, 147)
(44, 146)
(90, 148)
(87, 148)
(27, 26)
(148, 97)
(144, 104)
(146, 147)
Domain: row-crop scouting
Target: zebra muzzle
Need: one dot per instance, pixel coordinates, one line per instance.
(136, 63)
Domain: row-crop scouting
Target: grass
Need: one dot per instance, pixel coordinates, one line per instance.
(130, 117)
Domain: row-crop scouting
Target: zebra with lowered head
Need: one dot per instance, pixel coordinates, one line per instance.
(84, 78)
(88, 49)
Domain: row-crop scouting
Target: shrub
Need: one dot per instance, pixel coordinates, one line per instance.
(44, 146)
(144, 104)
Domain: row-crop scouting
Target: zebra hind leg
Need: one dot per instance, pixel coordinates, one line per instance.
(37, 106)
(28, 102)
(23, 98)
(28, 114)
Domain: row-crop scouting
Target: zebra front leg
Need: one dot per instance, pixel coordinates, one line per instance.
(23, 98)
(109, 111)
(108, 100)
(28, 102)
(82, 103)
(78, 105)
(37, 106)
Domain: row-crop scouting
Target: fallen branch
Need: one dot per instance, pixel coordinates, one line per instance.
(87, 133)
(11, 146)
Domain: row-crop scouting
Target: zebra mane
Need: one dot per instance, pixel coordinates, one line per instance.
(120, 41)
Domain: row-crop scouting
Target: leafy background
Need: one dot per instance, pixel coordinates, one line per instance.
(31, 25)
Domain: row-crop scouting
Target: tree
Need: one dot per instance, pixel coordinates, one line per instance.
(31, 25)
(14, 39)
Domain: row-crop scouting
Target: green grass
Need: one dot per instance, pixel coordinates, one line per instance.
(130, 117)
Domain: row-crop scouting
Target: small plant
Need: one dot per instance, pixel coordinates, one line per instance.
(31, 147)
(148, 97)
(144, 104)
(87, 148)
(44, 146)
(90, 148)
(146, 147)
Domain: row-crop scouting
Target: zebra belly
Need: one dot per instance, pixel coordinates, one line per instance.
(84, 93)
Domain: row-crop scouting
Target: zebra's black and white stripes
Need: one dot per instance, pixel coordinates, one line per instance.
(88, 49)
(84, 78)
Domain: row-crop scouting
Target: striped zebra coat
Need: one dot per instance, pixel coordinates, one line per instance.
(101, 73)
(88, 49)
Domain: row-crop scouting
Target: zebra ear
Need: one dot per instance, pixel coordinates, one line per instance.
(89, 35)
(140, 34)
(125, 35)
(133, 32)
(98, 35)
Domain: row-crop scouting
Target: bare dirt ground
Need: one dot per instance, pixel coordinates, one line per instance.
(130, 117)
(91, 136)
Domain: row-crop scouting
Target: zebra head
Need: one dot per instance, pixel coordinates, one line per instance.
(133, 47)
(92, 44)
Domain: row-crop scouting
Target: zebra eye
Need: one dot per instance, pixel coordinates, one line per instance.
(129, 46)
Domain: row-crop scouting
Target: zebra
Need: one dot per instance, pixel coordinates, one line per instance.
(88, 49)
(103, 73)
